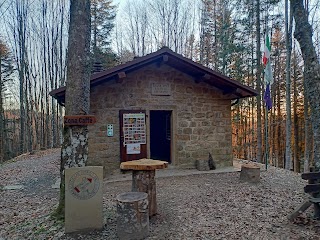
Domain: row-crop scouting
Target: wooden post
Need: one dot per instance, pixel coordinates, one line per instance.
(132, 216)
(144, 181)
(301, 209)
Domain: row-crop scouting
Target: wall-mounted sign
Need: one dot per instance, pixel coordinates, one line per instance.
(79, 120)
(133, 148)
(110, 130)
(134, 128)
(83, 202)
(161, 89)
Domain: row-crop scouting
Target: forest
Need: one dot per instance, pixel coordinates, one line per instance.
(227, 36)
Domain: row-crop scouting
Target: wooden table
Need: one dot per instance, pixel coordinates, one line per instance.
(143, 178)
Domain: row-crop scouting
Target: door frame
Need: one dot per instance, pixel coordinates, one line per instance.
(149, 126)
(173, 153)
(173, 109)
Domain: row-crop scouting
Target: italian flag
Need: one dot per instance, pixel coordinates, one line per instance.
(268, 78)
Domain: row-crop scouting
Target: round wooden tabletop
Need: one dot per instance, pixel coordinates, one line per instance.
(144, 164)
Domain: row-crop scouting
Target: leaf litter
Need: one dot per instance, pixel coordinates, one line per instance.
(206, 206)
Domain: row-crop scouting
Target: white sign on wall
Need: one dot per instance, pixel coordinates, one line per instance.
(133, 148)
(161, 89)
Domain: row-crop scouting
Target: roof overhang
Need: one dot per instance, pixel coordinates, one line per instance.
(233, 89)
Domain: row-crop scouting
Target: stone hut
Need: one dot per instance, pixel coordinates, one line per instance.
(161, 106)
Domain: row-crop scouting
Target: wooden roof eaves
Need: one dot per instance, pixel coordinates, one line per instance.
(217, 75)
(164, 54)
(107, 74)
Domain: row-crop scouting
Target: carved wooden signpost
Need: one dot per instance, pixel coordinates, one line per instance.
(313, 188)
(79, 120)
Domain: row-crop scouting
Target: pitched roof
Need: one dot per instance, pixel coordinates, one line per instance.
(199, 72)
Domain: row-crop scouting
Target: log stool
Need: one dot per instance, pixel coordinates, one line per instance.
(132, 216)
(143, 178)
(250, 173)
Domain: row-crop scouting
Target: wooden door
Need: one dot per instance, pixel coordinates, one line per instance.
(133, 135)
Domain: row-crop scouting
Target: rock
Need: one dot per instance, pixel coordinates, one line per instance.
(13, 187)
(202, 165)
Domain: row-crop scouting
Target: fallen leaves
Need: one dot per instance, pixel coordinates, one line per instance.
(208, 206)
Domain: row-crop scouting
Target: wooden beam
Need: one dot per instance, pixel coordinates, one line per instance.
(310, 176)
(301, 209)
(236, 91)
(206, 76)
(61, 101)
(202, 78)
(163, 60)
(120, 77)
(312, 188)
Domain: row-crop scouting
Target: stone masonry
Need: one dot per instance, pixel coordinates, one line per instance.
(201, 117)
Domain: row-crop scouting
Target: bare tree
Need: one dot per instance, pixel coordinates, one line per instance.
(303, 33)
(137, 17)
(74, 151)
(6, 70)
(258, 73)
(288, 29)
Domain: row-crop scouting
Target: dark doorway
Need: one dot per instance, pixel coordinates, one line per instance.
(160, 135)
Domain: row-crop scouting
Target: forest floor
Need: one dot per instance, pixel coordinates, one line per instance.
(202, 206)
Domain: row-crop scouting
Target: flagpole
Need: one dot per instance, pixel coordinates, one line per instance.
(268, 79)
(266, 136)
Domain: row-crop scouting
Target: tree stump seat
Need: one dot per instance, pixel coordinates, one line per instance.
(132, 216)
(143, 178)
(250, 173)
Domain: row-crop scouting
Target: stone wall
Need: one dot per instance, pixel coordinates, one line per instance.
(201, 117)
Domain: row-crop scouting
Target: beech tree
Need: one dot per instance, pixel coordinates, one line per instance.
(288, 30)
(303, 33)
(6, 70)
(74, 150)
(258, 74)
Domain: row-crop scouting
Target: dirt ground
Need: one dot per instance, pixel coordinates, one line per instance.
(205, 206)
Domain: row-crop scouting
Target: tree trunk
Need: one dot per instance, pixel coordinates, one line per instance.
(144, 181)
(74, 151)
(2, 126)
(307, 138)
(296, 153)
(132, 216)
(303, 33)
(259, 127)
(288, 29)
(279, 157)
(21, 31)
